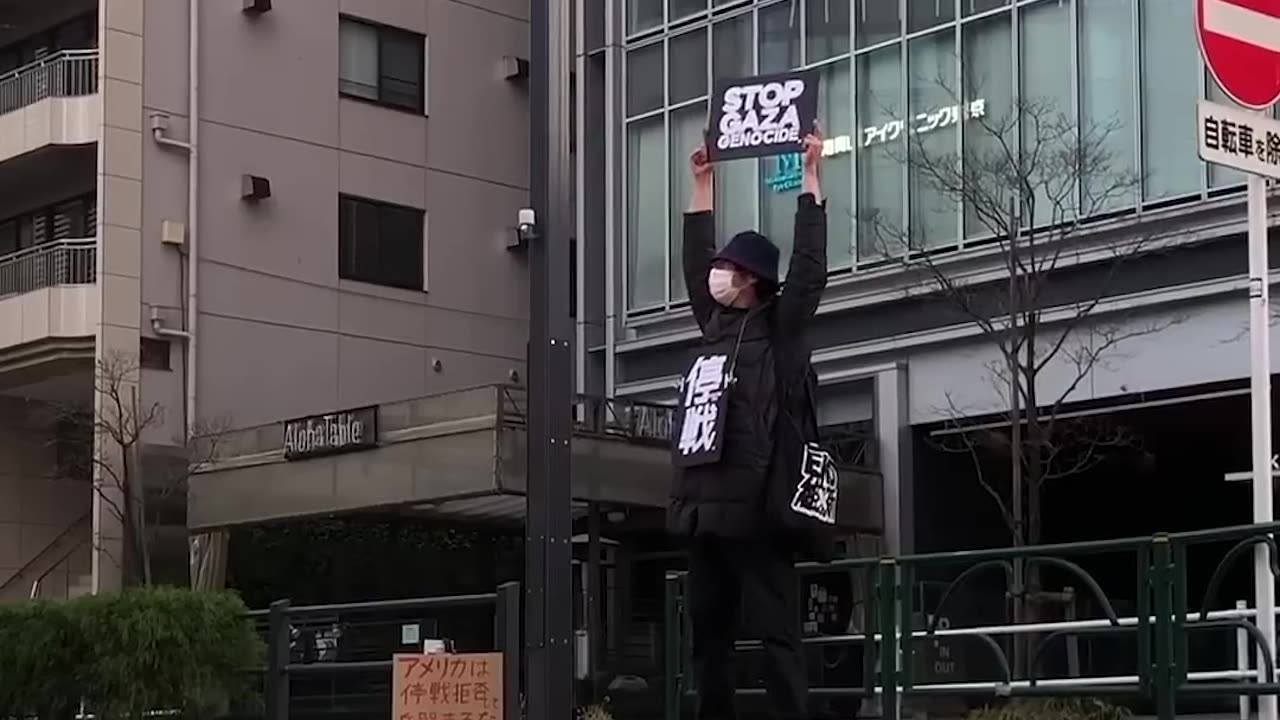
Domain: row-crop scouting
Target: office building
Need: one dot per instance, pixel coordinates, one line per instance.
(903, 80)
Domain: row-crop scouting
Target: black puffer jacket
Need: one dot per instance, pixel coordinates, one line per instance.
(726, 499)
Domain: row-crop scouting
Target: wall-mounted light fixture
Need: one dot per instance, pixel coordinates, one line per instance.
(257, 7)
(525, 231)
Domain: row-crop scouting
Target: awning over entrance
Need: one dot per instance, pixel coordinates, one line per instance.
(460, 454)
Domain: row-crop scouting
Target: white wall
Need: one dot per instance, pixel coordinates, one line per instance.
(53, 121)
(1193, 344)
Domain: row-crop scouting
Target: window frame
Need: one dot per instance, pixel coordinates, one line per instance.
(46, 215)
(346, 269)
(155, 354)
(381, 32)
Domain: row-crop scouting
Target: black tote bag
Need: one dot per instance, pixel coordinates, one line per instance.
(804, 486)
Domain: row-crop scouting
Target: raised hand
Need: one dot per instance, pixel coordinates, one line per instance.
(813, 149)
(700, 163)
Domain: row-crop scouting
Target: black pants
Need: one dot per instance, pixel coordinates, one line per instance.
(726, 578)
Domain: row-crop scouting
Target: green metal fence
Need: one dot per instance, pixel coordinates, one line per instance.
(1164, 617)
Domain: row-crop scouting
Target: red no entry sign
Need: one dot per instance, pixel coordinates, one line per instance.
(1240, 41)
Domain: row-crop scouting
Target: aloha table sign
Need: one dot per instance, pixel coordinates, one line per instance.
(331, 433)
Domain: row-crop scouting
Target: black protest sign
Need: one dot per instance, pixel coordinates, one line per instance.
(762, 115)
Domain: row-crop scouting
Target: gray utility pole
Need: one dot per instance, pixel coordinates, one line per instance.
(549, 528)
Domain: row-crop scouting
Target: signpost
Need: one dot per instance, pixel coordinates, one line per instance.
(1240, 41)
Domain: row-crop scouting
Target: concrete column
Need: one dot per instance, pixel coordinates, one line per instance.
(119, 187)
(893, 432)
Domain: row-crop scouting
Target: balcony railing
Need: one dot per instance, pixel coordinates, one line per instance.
(69, 73)
(64, 262)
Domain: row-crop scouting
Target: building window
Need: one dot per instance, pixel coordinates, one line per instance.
(688, 66)
(779, 39)
(1045, 90)
(732, 53)
(73, 445)
(686, 132)
(826, 30)
(153, 354)
(932, 140)
(925, 14)
(74, 218)
(881, 147)
(782, 175)
(902, 80)
(986, 69)
(380, 243)
(646, 210)
(644, 79)
(1171, 163)
(79, 33)
(643, 15)
(1107, 113)
(877, 21)
(382, 64)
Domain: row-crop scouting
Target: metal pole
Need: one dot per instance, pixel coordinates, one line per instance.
(887, 604)
(595, 607)
(277, 680)
(1242, 660)
(1260, 391)
(548, 541)
(506, 638)
(1166, 705)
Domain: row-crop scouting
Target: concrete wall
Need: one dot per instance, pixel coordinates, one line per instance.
(119, 182)
(280, 335)
(35, 506)
(57, 312)
(53, 121)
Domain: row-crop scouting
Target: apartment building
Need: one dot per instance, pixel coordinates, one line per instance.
(233, 219)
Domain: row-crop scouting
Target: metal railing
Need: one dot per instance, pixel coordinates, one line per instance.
(896, 630)
(69, 73)
(339, 659)
(598, 416)
(62, 262)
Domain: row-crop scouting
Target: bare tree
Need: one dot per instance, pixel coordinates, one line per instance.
(102, 443)
(1032, 182)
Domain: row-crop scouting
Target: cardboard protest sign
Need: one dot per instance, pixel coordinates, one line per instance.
(762, 115)
(447, 687)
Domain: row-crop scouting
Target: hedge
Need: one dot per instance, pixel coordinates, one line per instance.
(126, 654)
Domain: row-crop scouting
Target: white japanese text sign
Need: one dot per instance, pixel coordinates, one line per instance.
(1239, 139)
(700, 417)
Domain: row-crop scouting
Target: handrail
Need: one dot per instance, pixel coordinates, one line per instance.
(599, 416)
(49, 60)
(67, 73)
(1163, 621)
(18, 255)
(59, 262)
(77, 525)
(280, 667)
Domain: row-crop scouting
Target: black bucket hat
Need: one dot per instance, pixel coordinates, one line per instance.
(754, 253)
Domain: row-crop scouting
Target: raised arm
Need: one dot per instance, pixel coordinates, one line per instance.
(807, 273)
(699, 237)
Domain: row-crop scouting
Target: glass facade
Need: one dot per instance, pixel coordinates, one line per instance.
(919, 99)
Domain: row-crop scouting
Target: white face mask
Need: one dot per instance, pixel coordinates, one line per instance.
(720, 282)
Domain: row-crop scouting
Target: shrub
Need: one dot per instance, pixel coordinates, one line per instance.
(126, 654)
(1052, 709)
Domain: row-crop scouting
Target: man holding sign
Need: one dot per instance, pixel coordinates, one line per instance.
(749, 387)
